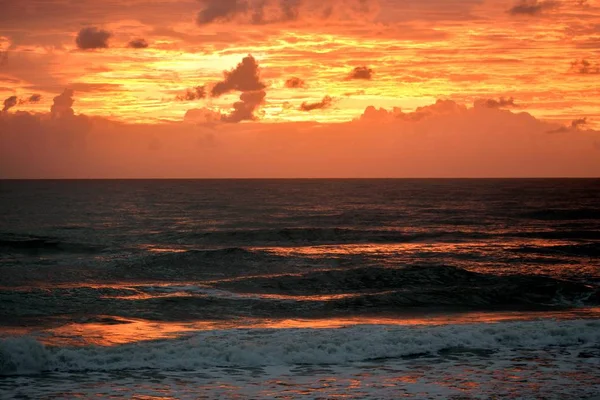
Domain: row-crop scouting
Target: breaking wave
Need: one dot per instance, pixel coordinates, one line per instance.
(268, 347)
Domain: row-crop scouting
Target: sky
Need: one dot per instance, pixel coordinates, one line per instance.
(299, 88)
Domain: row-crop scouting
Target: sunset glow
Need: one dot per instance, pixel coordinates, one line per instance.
(154, 63)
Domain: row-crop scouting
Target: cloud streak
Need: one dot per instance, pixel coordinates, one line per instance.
(493, 103)
(323, 104)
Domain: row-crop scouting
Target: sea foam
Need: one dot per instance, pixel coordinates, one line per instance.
(272, 347)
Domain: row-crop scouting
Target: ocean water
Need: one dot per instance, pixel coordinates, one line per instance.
(377, 289)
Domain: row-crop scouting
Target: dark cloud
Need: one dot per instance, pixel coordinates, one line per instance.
(197, 93)
(261, 12)
(3, 57)
(295, 83)
(532, 7)
(34, 98)
(576, 123)
(220, 10)
(9, 103)
(92, 38)
(243, 110)
(493, 103)
(584, 67)
(361, 73)
(63, 104)
(244, 78)
(290, 9)
(138, 44)
(325, 103)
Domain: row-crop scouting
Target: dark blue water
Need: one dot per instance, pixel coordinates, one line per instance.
(385, 245)
(113, 263)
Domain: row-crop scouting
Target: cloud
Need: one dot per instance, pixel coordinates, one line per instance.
(197, 93)
(220, 10)
(372, 113)
(243, 110)
(9, 103)
(63, 105)
(202, 116)
(493, 103)
(12, 101)
(532, 7)
(576, 123)
(34, 98)
(262, 12)
(244, 78)
(585, 67)
(325, 103)
(440, 108)
(92, 38)
(295, 83)
(452, 141)
(138, 44)
(361, 73)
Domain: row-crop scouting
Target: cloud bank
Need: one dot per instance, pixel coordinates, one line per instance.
(445, 139)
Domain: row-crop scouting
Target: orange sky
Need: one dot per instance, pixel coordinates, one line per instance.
(221, 68)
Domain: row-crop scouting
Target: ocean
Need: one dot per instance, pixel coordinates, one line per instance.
(255, 289)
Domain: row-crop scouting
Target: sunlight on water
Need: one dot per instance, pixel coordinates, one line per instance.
(115, 331)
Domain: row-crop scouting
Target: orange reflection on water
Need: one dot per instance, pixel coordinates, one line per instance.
(322, 297)
(111, 331)
(117, 331)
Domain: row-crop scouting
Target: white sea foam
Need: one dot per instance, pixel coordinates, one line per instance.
(272, 347)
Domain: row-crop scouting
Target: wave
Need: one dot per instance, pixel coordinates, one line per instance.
(561, 233)
(423, 286)
(272, 347)
(580, 250)
(331, 236)
(559, 214)
(38, 244)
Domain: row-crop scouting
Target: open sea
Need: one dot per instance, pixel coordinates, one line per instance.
(264, 289)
